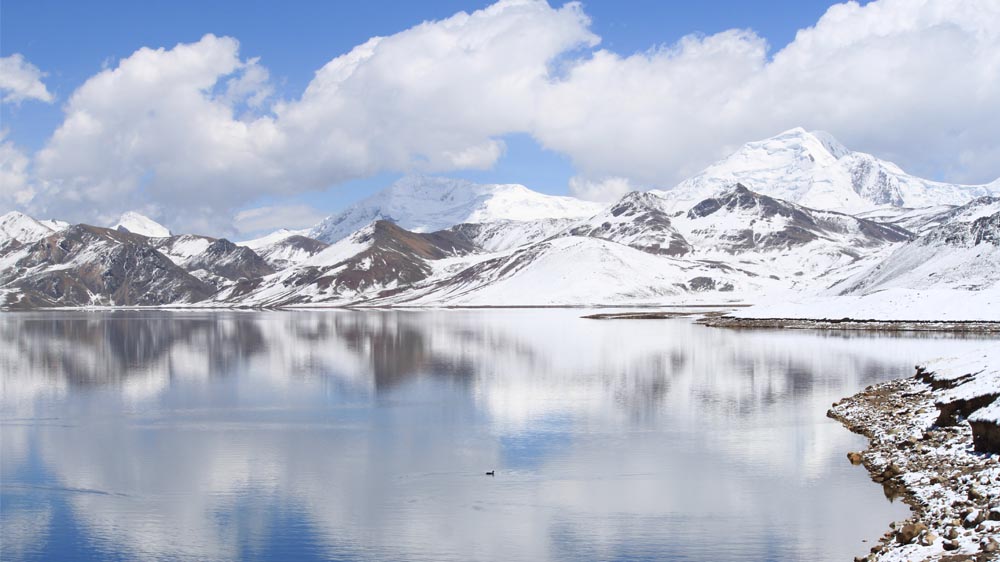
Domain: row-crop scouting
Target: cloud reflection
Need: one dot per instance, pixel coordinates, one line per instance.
(364, 435)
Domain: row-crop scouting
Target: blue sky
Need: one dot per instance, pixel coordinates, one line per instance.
(73, 42)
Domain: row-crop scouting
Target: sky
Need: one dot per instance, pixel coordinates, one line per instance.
(236, 117)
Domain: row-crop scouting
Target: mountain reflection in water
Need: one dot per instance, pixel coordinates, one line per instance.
(343, 435)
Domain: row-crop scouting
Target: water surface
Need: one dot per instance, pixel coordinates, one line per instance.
(339, 435)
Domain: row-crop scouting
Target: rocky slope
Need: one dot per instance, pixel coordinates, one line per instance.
(962, 252)
(638, 220)
(377, 260)
(285, 248)
(216, 261)
(87, 265)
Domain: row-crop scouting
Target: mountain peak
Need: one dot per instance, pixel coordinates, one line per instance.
(813, 169)
(137, 223)
(429, 203)
(19, 226)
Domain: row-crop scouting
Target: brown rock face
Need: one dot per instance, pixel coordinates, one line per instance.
(909, 532)
(985, 436)
(86, 265)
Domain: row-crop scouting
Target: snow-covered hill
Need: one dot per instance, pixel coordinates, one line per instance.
(377, 258)
(950, 272)
(747, 229)
(426, 204)
(744, 245)
(140, 224)
(19, 226)
(637, 220)
(814, 170)
(88, 265)
(284, 248)
(580, 271)
(963, 253)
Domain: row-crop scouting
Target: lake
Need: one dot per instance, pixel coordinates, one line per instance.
(366, 435)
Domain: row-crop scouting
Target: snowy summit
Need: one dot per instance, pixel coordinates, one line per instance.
(142, 225)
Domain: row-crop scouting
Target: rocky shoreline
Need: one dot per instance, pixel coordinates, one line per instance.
(952, 489)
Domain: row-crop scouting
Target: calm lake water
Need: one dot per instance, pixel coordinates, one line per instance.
(339, 435)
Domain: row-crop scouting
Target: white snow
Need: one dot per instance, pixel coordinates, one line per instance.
(917, 221)
(55, 225)
(814, 170)
(890, 304)
(142, 225)
(500, 235)
(979, 375)
(272, 238)
(426, 204)
(19, 226)
(990, 413)
(277, 250)
(344, 249)
(532, 248)
(579, 271)
(182, 248)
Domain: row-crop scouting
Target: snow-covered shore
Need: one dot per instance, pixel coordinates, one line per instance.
(946, 305)
(927, 444)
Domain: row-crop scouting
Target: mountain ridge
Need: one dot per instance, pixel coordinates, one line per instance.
(445, 242)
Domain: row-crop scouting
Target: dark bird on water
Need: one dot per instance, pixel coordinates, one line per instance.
(491, 473)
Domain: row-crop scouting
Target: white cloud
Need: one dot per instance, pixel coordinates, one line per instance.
(270, 218)
(431, 98)
(605, 189)
(151, 128)
(252, 86)
(14, 187)
(196, 129)
(20, 80)
(916, 82)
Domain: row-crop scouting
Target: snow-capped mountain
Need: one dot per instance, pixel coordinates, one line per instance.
(814, 170)
(738, 220)
(426, 204)
(19, 226)
(137, 223)
(442, 242)
(916, 221)
(638, 220)
(216, 261)
(284, 248)
(578, 271)
(724, 248)
(963, 253)
(88, 265)
(379, 257)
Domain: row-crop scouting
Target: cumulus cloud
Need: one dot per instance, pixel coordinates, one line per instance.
(20, 80)
(196, 128)
(15, 190)
(270, 218)
(151, 127)
(913, 82)
(163, 124)
(604, 189)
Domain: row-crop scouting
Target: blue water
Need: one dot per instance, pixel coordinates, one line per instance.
(340, 435)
